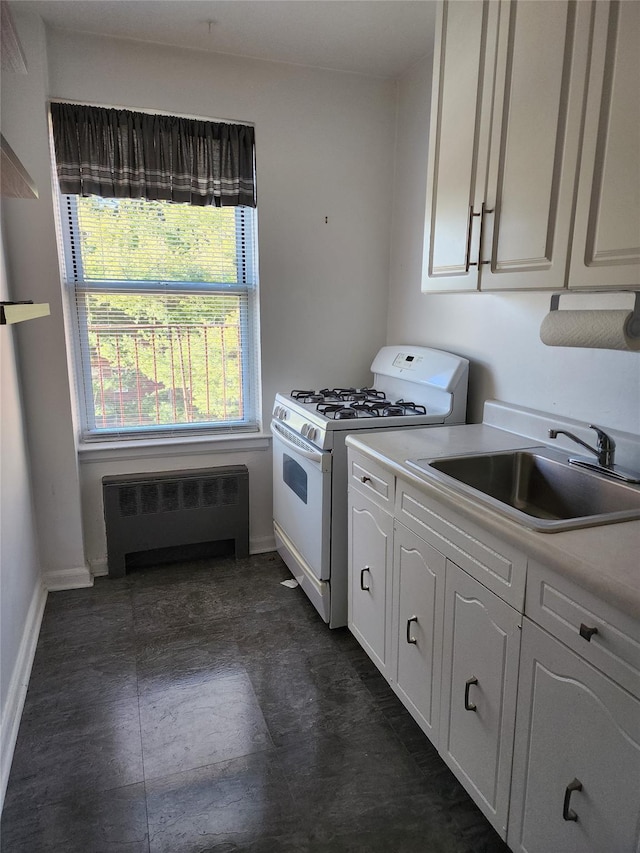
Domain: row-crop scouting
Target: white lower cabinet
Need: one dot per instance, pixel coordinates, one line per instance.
(576, 774)
(479, 684)
(538, 715)
(418, 596)
(370, 578)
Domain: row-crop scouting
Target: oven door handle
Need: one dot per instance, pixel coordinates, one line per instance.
(295, 444)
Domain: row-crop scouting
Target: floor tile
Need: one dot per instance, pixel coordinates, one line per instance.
(304, 695)
(225, 806)
(61, 754)
(182, 655)
(110, 822)
(67, 679)
(336, 776)
(86, 621)
(254, 726)
(200, 723)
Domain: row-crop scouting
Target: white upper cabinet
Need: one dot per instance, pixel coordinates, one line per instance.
(505, 121)
(541, 65)
(606, 244)
(466, 33)
(512, 144)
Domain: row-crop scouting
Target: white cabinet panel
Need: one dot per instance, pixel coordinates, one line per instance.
(504, 144)
(606, 250)
(479, 681)
(576, 778)
(541, 61)
(419, 573)
(370, 579)
(466, 32)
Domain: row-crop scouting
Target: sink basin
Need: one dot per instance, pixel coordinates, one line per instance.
(537, 487)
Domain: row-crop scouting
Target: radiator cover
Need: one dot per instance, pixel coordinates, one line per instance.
(148, 511)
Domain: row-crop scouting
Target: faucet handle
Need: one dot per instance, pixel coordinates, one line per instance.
(605, 442)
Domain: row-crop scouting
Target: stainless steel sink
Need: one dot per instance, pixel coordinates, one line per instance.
(537, 487)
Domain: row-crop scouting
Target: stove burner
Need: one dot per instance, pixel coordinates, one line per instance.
(332, 410)
(411, 408)
(349, 403)
(368, 408)
(338, 395)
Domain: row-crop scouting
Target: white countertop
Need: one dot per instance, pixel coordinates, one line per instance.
(604, 560)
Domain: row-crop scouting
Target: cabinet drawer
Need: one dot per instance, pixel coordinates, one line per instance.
(571, 614)
(371, 479)
(498, 566)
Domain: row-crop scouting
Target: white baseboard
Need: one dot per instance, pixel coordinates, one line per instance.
(12, 711)
(99, 568)
(262, 544)
(67, 579)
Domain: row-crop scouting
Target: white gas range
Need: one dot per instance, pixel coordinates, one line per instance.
(412, 387)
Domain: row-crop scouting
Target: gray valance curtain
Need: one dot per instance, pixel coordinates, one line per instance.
(125, 154)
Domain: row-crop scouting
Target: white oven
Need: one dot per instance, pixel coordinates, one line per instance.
(302, 496)
(414, 387)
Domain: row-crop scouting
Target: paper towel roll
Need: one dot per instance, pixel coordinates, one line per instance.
(614, 329)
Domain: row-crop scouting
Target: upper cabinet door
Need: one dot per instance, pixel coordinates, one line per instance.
(541, 68)
(606, 243)
(466, 33)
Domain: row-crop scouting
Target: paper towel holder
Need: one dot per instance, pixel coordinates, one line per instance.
(633, 324)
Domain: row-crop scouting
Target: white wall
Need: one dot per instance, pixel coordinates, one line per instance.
(324, 149)
(30, 247)
(499, 333)
(21, 595)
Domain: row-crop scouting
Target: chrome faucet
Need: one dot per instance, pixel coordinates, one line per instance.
(605, 451)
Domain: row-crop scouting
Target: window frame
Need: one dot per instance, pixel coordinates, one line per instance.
(75, 285)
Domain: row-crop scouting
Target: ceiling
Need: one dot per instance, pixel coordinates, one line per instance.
(382, 38)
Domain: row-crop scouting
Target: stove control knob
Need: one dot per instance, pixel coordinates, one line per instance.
(305, 430)
(312, 433)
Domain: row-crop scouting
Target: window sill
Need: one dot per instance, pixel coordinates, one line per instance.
(108, 451)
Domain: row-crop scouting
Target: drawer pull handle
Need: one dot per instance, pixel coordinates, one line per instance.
(567, 813)
(411, 639)
(469, 706)
(365, 479)
(362, 586)
(586, 632)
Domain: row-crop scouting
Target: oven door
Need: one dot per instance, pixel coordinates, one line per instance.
(302, 497)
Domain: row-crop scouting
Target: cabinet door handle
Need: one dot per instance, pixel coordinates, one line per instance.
(483, 211)
(467, 257)
(567, 813)
(469, 706)
(364, 479)
(362, 586)
(411, 639)
(586, 632)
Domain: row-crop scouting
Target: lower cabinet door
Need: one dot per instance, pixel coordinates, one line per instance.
(479, 683)
(370, 578)
(576, 781)
(419, 573)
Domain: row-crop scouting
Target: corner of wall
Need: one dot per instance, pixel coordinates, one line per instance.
(14, 703)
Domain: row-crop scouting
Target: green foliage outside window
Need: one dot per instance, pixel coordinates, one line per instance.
(169, 349)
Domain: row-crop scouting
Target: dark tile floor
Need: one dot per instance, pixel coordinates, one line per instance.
(205, 707)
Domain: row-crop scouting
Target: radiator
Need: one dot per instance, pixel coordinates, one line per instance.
(148, 511)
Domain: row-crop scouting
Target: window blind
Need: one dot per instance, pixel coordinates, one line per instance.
(165, 300)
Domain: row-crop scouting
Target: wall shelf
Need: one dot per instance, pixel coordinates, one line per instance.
(17, 312)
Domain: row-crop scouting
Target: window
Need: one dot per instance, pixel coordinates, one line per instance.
(163, 296)
(158, 225)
